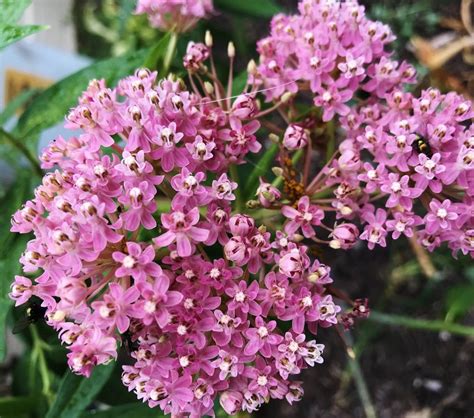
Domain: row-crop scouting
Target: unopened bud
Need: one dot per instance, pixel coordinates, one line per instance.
(208, 87)
(286, 97)
(262, 229)
(346, 210)
(269, 196)
(278, 171)
(274, 138)
(253, 204)
(208, 39)
(298, 237)
(252, 67)
(231, 50)
(335, 244)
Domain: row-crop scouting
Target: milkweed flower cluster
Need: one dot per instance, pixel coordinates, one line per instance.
(411, 155)
(112, 265)
(176, 15)
(332, 50)
(422, 169)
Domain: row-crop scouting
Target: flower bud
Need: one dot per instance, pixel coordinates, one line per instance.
(231, 50)
(278, 171)
(344, 236)
(209, 87)
(252, 67)
(286, 97)
(231, 402)
(244, 106)
(252, 204)
(241, 225)
(235, 249)
(267, 194)
(274, 138)
(208, 39)
(295, 138)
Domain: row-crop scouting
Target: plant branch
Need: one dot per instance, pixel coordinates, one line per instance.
(423, 258)
(423, 324)
(170, 52)
(38, 353)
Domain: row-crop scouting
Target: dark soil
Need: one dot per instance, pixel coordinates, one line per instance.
(409, 373)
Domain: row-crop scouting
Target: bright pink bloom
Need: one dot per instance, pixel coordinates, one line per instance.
(305, 216)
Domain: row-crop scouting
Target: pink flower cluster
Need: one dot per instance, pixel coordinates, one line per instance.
(413, 155)
(332, 49)
(421, 168)
(124, 226)
(176, 15)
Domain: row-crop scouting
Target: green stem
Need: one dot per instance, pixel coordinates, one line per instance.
(170, 52)
(16, 143)
(424, 324)
(356, 371)
(234, 175)
(38, 353)
(361, 386)
(331, 145)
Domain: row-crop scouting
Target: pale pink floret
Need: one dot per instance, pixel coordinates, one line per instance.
(182, 230)
(304, 217)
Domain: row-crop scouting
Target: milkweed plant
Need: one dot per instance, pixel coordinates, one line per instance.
(140, 227)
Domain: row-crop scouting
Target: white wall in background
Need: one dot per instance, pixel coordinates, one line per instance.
(58, 15)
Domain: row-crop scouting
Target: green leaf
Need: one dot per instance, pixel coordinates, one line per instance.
(8, 268)
(156, 57)
(51, 106)
(239, 82)
(459, 301)
(16, 195)
(262, 168)
(76, 393)
(135, 410)
(255, 8)
(19, 101)
(4, 307)
(14, 406)
(12, 10)
(13, 33)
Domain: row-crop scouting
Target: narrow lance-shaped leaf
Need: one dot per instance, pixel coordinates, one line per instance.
(261, 169)
(155, 58)
(12, 10)
(19, 101)
(9, 267)
(135, 410)
(76, 393)
(13, 33)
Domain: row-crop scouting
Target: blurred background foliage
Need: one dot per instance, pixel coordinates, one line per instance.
(394, 371)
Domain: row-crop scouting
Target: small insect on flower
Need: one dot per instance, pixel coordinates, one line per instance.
(422, 146)
(33, 313)
(129, 344)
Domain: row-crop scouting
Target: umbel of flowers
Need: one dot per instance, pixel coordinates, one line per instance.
(138, 237)
(204, 327)
(176, 15)
(411, 155)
